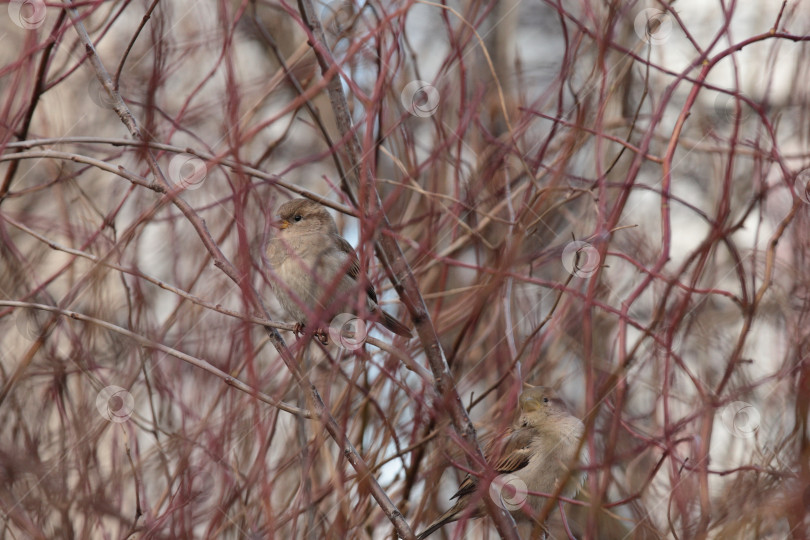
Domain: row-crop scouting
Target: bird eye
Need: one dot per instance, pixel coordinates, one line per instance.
(298, 217)
(545, 400)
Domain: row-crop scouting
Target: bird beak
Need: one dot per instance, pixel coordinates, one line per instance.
(282, 224)
(530, 405)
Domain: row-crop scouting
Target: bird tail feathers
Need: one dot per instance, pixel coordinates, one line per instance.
(438, 523)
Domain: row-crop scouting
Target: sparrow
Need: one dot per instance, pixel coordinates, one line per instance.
(532, 456)
(310, 259)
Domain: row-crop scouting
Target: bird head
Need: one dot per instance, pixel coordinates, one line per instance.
(302, 216)
(538, 404)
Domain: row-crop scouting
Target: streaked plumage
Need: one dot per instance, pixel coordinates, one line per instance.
(537, 450)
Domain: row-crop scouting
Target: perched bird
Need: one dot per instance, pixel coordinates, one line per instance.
(533, 456)
(316, 270)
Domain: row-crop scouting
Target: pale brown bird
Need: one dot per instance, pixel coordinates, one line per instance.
(533, 456)
(316, 270)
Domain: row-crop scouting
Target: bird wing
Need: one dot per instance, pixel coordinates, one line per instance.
(354, 268)
(515, 455)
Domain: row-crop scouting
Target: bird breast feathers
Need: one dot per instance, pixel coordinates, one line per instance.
(314, 250)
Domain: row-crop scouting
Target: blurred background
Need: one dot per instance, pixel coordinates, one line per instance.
(609, 198)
